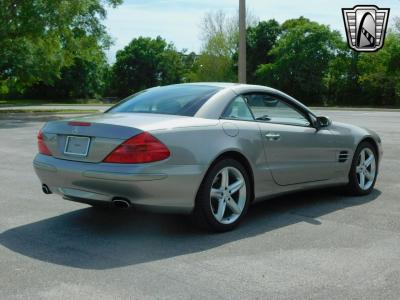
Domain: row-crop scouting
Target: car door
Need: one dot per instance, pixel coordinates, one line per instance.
(238, 121)
(295, 151)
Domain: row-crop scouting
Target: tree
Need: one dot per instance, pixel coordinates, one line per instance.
(367, 78)
(215, 62)
(342, 80)
(218, 57)
(84, 79)
(39, 38)
(260, 40)
(380, 74)
(190, 63)
(301, 60)
(219, 44)
(145, 63)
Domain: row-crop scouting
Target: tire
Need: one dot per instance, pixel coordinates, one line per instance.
(221, 209)
(358, 170)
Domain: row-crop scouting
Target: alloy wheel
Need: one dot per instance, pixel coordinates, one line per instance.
(366, 169)
(228, 195)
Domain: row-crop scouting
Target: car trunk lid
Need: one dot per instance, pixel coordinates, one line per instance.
(91, 138)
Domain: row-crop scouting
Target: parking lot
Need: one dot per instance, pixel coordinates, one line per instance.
(318, 244)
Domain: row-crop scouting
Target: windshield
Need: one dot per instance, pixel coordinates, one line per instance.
(182, 100)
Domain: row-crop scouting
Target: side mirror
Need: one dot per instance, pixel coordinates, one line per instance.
(323, 122)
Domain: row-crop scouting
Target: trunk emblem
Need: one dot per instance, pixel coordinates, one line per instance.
(75, 130)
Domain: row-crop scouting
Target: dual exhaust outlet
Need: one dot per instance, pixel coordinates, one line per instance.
(117, 202)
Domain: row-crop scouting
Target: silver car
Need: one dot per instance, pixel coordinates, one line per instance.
(209, 149)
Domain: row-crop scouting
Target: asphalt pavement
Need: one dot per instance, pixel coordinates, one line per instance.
(315, 245)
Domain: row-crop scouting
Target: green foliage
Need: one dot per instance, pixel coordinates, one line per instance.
(367, 79)
(260, 40)
(39, 38)
(215, 62)
(190, 65)
(380, 74)
(301, 60)
(220, 39)
(55, 49)
(83, 80)
(144, 63)
(342, 79)
(219, 54)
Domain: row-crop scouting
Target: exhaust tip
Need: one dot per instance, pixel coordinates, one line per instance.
(46, 189)
(121, 203)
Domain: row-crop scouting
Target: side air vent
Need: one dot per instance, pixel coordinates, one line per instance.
(343, 156)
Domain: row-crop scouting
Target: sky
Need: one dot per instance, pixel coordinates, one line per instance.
(178, 21)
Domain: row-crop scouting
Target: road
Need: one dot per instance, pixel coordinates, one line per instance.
(316, 245)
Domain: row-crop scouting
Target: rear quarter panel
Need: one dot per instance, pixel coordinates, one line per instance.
(203, 145)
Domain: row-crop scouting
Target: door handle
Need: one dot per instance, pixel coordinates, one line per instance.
(273, 136)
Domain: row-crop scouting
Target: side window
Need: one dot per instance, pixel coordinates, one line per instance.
(238, 110)
(267, 108)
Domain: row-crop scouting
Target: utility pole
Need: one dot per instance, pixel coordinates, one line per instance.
(242, 41)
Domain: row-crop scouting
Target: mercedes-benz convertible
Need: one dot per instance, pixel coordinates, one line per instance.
(206, 149)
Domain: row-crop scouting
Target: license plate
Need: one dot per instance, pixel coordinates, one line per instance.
(77, 145)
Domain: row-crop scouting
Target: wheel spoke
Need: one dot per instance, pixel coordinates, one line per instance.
(221, 210)
(358, 170)
(234, 207)
(362, 157)
(236, 186)
(362, 180)
(224, 178)
(216, 193)
(368, 162)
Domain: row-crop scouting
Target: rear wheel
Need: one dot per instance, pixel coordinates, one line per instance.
(223, 197)
(364, 170)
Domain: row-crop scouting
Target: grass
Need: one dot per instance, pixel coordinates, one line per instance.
(28, 102)
(49, 111)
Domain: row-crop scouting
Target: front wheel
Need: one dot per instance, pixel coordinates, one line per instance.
(364, 170)
(223, 197)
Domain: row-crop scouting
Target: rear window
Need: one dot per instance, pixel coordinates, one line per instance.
(182, 100)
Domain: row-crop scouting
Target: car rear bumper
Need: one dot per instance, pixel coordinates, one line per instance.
(157, 186)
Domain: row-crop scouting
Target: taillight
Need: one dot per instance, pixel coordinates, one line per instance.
(41, 145)
(142, 148)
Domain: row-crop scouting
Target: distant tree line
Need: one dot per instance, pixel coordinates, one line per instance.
(57, 51)
(53, 48)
